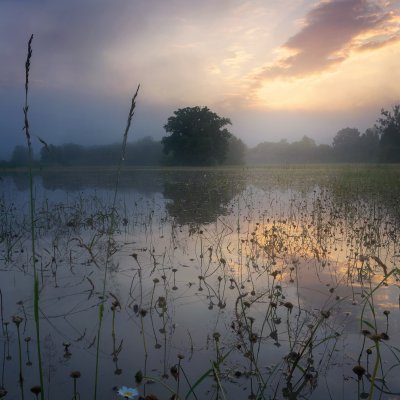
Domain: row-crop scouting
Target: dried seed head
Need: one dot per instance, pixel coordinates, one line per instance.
(36, 389)
(143, 312)
(325, 314)
(174, 372)
(384, 336)
(288, 305)
(216, 336)
(359, 370)
(17, 320)
(75, 374)
(116, 304)
(253, 338)
(162, 302)
(375, 338)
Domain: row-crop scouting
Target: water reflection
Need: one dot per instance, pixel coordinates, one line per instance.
(200, 197)
(277, 280)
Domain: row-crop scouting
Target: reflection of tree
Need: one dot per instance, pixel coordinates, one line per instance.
(146, 181)
(200, 197)
(196, 196)
(21, 181)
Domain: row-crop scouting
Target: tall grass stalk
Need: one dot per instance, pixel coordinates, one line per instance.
(110, 232)
(32, 216)
(2, 314)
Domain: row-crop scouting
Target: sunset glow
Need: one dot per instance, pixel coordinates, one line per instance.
(247, 60)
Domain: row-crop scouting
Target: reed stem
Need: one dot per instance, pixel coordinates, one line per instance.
(32, 217)
(110, 232)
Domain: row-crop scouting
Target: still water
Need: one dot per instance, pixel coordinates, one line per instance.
(215, 283)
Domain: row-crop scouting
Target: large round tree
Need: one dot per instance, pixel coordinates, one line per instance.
(197, 137)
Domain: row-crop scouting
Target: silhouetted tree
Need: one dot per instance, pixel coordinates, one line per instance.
(388, 126)
(197, 137)
(20, 156)
(302, 151)
(66, 154)
(369, 145)
(236, 151)
(346, 145)
(145, 151)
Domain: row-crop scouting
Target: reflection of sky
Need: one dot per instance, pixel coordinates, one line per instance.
(193, 315)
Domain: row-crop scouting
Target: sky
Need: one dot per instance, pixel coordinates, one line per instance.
(279, 69)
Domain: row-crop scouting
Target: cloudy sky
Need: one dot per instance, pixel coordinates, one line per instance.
(277, 68)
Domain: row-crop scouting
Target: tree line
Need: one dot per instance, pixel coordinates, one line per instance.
(198, 136)
(378, 144)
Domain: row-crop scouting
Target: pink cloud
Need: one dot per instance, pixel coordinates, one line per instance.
(329, 34)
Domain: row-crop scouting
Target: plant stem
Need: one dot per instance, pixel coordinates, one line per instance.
(110, 232)
(373, 378)
(32, 215)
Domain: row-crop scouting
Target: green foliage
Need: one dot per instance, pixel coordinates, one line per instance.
(350, 146)
(197, 137)
(388, 126)
(346, 138)
(236, 151)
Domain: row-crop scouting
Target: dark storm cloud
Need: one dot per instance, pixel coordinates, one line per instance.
(327, 37)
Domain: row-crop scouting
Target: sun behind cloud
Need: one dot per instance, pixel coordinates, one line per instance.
(345, 51)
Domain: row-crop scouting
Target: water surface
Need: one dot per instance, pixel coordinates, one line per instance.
(278, 281)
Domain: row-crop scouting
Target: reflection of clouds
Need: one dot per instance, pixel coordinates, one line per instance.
(388, 297)
(267, 238)
(321, 264)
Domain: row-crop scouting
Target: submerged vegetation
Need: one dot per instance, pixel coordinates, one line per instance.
(290, 285)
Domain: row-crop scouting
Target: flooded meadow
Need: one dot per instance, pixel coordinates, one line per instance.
(226, 283)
